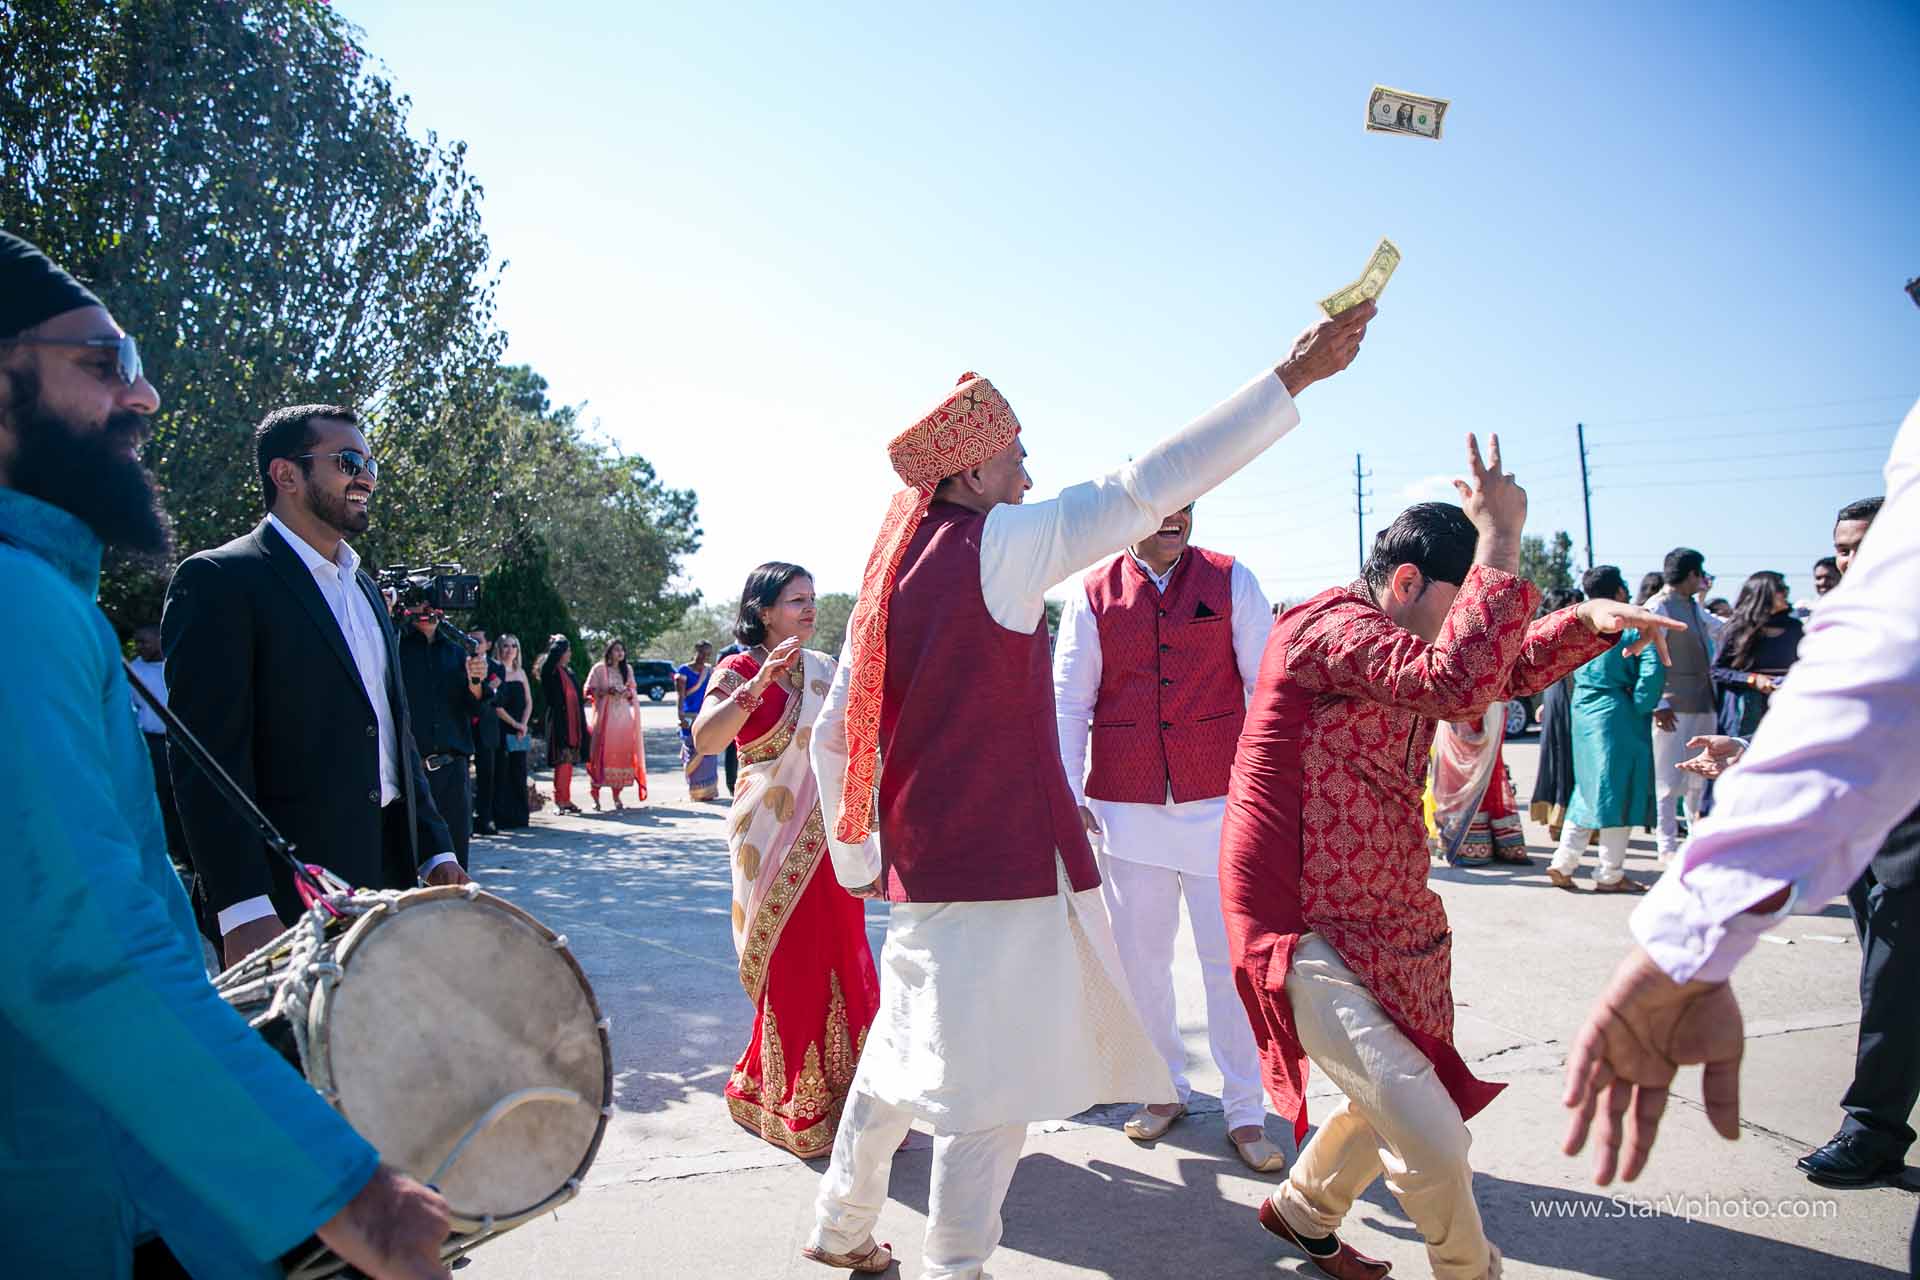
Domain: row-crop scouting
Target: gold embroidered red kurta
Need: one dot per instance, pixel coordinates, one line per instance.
(1323, 831)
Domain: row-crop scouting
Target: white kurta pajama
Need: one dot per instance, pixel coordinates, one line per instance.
(995, 1014)
(1153, 855)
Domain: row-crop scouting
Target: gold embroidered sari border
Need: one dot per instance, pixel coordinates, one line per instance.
(764, 929)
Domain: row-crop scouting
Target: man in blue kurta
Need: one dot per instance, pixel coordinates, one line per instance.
(138, 1112)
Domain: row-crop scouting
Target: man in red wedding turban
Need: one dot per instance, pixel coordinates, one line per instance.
(1002, 997)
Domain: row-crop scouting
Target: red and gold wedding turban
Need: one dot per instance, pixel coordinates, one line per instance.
(972, 424)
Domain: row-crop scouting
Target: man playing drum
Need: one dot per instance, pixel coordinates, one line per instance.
(143, 1126)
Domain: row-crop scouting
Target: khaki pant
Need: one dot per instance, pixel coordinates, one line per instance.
(1397, 1119)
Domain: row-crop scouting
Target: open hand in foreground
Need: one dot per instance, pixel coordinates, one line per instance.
(1643, 1029)
(1718, 753)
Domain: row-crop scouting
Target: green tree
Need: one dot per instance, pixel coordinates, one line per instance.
(831, 613)
(245, 195)
(1550, 568)
(517, 597)
(709, 622)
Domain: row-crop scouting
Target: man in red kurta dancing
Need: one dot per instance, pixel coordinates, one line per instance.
(1341, 952)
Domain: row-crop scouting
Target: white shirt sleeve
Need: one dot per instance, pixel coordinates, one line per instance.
(1252, 621)
(244, 913)
(854, 865)
(1076, 685)
(1028, 547)
(436, 861)
(1833, 767)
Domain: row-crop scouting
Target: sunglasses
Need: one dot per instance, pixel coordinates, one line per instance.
(126, 351)
(350, 461)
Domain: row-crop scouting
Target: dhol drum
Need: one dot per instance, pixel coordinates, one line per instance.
(456, 1033)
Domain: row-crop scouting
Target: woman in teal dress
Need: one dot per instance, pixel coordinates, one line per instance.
(1614, 697)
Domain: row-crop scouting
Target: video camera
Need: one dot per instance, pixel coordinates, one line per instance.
(413, 592)
(442, 588)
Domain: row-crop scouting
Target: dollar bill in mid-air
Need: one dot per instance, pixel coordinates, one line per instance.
(1397, 111)
(1372, 281)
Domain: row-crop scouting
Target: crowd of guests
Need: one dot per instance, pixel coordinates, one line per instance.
(1023, 973)
(1615, 734)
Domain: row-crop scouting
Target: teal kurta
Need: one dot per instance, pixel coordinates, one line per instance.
(133, 1100)
(1613, 703)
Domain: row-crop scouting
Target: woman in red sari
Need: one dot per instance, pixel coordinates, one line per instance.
(801, 938)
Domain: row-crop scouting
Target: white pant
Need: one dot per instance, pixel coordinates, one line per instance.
(970, 1176)
(1144, 903)
(1613, 852)
(1669, 749)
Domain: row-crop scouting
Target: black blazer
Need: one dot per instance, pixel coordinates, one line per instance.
(259, 670)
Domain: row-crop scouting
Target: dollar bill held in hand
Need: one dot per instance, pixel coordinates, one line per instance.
(1397, 111)
(1371, 284)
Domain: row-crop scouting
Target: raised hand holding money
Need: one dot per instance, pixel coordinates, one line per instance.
(1325, 349)
(1412, 114)
(1372, 282)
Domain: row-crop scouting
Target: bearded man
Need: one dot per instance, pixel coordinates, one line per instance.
(144, 1127)
(1002, 1000)
(1342, 952)
(282, 660)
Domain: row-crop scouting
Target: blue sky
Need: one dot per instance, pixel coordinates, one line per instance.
(757, 240)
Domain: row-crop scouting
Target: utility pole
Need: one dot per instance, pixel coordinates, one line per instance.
(1586, 488)
(1360, 508)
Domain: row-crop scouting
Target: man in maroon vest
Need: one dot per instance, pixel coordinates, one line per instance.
(1342, 953)
(1001, 997)
(1157, 653)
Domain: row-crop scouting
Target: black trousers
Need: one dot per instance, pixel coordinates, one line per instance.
(1886, 1073)
(453, 797)
(486, 765)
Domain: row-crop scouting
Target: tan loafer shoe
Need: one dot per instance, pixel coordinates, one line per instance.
(1561, 880)
(1146, 1126)
(1260, 1155)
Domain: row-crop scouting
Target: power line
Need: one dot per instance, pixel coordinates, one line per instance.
(1675, 484)
(1742, 435)
(1793, 453)
(1734, 413)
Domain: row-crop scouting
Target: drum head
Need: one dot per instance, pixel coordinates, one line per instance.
(446, 1008)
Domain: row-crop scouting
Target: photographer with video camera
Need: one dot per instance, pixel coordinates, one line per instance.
(281, 660)
(446, 681)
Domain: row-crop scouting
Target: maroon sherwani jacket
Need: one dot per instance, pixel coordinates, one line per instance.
(1323, 831)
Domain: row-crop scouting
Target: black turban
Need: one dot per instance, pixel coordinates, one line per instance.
(33, 289)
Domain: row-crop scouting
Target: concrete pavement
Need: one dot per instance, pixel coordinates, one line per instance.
(680, 1191)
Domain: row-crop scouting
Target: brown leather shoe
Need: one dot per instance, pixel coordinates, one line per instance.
(1344, 1263)
(1561, 880)
(871, 1259)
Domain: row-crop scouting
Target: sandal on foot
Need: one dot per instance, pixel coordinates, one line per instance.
(871, 1260)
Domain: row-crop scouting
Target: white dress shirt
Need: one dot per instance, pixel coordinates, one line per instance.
(1832, 768)
(338, 580)
(1183, 837)
(152, 677)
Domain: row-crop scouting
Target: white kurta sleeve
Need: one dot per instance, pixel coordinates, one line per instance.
(1831, 769)
(854, 865)
(1076, 685)
(1252, 621)
(1028, 547)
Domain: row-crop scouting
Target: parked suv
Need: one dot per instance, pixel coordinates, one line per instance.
(653, 677)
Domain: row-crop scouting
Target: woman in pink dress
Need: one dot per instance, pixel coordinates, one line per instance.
(616, 758)
(802, 939)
